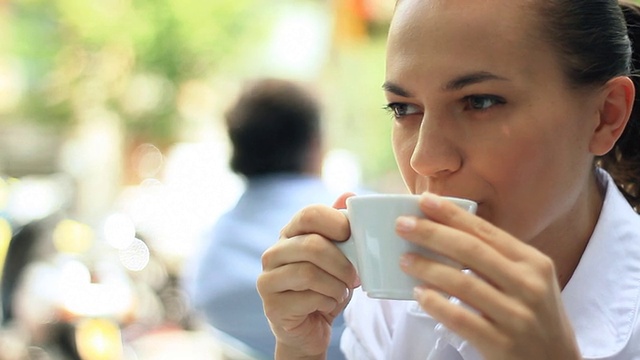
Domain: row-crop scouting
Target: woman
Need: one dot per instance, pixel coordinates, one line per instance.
(510, 103)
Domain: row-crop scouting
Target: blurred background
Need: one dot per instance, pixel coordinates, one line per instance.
(113, 156)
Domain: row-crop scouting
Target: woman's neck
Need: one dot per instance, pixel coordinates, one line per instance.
(566, 240)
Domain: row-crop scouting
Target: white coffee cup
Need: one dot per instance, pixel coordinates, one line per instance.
(374, 247)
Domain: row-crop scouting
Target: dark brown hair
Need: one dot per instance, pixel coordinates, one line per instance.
(598, 40)
(273, 126)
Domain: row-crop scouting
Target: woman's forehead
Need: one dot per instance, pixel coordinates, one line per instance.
(465, 36)
(498, 14)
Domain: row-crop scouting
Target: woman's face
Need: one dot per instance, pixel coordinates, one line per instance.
(483, 111)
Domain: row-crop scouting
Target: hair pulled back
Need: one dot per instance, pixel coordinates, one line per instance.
(598, 40)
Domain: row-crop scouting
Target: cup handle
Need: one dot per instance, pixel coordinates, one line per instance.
(348, 247)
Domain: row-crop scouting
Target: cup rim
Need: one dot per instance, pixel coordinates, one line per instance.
(359, 198)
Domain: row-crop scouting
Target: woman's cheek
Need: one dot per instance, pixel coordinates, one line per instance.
(403, 148)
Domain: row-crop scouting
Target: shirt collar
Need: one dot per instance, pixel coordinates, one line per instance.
(602, 297)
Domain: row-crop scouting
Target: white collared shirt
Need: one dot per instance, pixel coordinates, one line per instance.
(602, 301)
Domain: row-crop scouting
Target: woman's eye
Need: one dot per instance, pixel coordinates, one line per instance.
(399, 110)
(482, 102)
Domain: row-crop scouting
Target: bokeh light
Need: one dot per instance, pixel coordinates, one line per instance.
(71, 236)
(135, 257)
(98, 339)
(119, 230)
(5, 239)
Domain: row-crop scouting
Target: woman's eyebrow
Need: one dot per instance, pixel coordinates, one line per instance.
(455, 84)
(395, 89)
(469, 79)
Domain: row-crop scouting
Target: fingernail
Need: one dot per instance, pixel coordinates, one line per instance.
(406, 260)
(419, 292)
(345, 295)
(405, 223)
(430, 200)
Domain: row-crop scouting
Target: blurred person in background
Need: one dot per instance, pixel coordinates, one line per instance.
(275, 131)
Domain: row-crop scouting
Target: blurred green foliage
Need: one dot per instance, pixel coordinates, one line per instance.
(85, 53)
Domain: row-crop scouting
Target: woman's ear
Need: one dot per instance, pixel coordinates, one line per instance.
(617, 101)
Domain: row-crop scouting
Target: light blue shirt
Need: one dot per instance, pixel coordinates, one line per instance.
(225, 279)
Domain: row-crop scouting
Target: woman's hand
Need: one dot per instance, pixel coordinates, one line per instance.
(306, 281)
(515, 294)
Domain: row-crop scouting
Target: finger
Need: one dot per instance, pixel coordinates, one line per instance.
(302, 277)
(318, 219)
(492, 253)
(341, 202)
(314, 249)
(464, 322)
(487, 263)
(471, 290)
(460, 247)
(290, 309)
(446, 212)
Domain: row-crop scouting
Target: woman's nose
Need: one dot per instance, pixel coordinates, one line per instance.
(435, 153)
